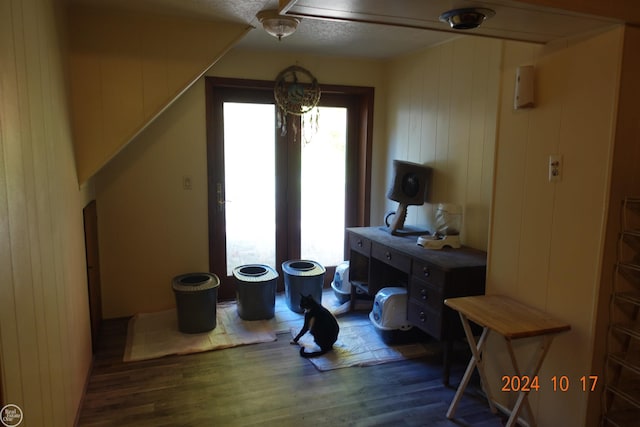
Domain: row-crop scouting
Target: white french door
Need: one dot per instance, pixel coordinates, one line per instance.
(277, 197)
(249, 185)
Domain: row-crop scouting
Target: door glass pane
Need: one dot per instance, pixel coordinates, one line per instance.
(323, 186)
(249, 165)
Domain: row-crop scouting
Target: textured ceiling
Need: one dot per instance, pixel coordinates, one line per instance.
(353, 27)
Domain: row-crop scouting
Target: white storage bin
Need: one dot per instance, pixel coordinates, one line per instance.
(390, 309)
(389, 317)
(341, 285)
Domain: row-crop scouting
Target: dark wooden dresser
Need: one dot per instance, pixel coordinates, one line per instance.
(378, 259)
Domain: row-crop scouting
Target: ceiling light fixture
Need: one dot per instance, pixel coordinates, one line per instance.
(466, 19)
(277, 25)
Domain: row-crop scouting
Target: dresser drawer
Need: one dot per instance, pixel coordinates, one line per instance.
(359, 244)
(391, 257)
(425, 318)
(427, 272)
(426, 294)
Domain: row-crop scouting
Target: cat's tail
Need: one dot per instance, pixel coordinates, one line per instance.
(313, 353)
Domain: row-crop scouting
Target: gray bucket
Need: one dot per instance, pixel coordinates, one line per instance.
(196, 298)
(302, 277)
(255, 291)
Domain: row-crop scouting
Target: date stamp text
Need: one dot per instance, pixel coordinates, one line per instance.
(557, 383)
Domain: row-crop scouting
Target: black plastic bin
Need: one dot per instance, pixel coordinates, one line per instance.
(196, 298)
(255, 291)
(302, 277)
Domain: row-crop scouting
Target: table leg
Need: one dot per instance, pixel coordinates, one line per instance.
(522, 395)
(476, 361)
(516, 370)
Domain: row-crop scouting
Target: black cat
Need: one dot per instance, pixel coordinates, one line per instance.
(321, 323)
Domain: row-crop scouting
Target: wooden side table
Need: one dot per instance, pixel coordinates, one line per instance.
(512, 320)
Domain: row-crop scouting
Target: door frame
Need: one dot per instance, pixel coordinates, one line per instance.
(358, 173)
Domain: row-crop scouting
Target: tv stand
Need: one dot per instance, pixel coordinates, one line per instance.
(378, 259)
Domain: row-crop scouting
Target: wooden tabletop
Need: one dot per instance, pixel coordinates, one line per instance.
(446, 258)
(506, 316)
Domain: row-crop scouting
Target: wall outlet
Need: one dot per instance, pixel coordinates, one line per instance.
(555, 167)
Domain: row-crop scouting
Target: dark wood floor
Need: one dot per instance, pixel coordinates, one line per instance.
(269, 384)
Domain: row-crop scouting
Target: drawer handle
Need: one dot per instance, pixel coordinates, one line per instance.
(388, 255)
(426, 271)
(423, 316)
(359, 243)
(423, 294)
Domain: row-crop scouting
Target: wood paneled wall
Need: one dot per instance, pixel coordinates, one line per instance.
(44, 323)
(547, 238)
(443, 106)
